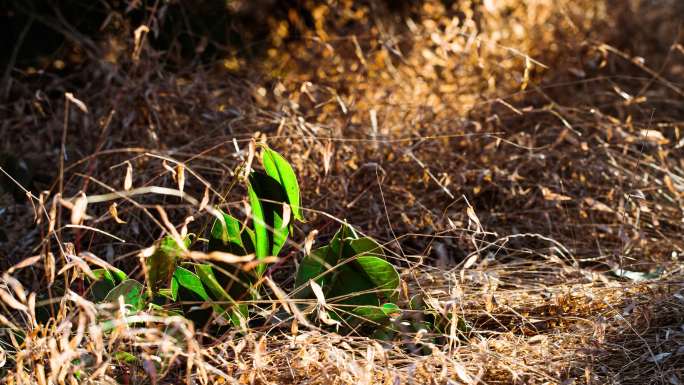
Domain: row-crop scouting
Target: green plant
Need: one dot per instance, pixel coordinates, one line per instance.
(274, 203)
(274, 199)
(353, 273)
(351, 270)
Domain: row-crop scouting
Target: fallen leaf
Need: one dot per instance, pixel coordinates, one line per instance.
(653, 136)
(115, 214)
(596, 205)
(128, 178)
(81, 106)
(78, 212)
(659, 357)
(552, 196)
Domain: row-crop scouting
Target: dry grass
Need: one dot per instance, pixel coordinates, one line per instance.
(513, 156)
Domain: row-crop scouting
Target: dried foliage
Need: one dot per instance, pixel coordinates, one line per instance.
(522, 162)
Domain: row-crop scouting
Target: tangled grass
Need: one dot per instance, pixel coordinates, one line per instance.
(521, 161)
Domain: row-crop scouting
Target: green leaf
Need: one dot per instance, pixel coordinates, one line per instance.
(206, 275)
(119, 275)
(132, 292)
(105, 280)
(103, 285)
(191, 295)
(261, 241)
(390, 309)
(343, 235)
(248, 238)
(174, 288)
(279, 169)
(377, 314)
(273, 200)
(383, 275)
(113, 274)
(280, 232)
(313, 265)
(189, 280)
(162, 263)
(125, 357)
(366, 273)
(240, 241)
(170, 246)
(360, 276)
(364, 281)
(350, 286)
(365, 246)
(227, 238)
(103, 274)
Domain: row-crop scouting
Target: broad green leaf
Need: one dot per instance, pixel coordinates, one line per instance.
(249, 240)
(227, 238)
(103, 274)
(119, 275)
(369, 314)
(189, 280)
(261, 241)
(341, 237)
(132, 292)
(105, 282)
(124, 357)
(383, 275)
(174, 288)
(369, 276)
(170, 246)
(313, 265)
(350, 286)
(364, 281)
(360, 280)
(280, 232)
(391, 309)
(279, 169)
(273, 203)
(377, 314)
(206, 275)
(113, 274)
(162, 263)
(230, 277)
(192, 296)
(365, 246)
(103, 285)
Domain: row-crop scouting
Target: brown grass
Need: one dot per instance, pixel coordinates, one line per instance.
(513, 156)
